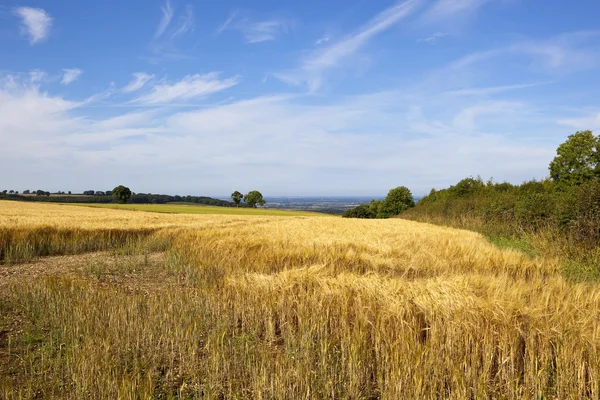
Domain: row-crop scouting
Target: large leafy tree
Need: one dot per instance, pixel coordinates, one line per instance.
(121, 194)
(577, 159)
(237, 197)
(253, 198)
(396, 201)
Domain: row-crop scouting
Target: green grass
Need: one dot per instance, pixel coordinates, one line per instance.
(514, 243)
(201, 209)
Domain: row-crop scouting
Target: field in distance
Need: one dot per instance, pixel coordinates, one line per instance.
(104, 303)
(179, 208)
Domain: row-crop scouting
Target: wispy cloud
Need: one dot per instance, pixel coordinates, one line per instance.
(37, 75)
(36, 23)
(263, 31)
(485, 91)
(322, 40)
(225, 25)
(255, 31)
(186, 22)
(566, 52)
(167, 15)
(70, 75)
(447, 9)
(172, 26)
(433, 38)
(312, 70)
(580, 123)
(139, 80)
(190, 87)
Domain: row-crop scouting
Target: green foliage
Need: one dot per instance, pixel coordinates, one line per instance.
(375, 207)
(577, 160)
(237, 197)
(397, 200)
(361, 211)
(253, 198)
(121, 194)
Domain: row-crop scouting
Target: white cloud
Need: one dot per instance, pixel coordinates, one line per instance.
(167, 15)
(355, 145)
(485, 91)
(591, 122)
(433, 38)
(37, 75)
(255, 31)
(565, 53)
(36, 23)
(190, 87)
(227, 22)
(186, 22)
(312, 70)
(322, 40)
(140, 79)
(70, 75)
(447, 9)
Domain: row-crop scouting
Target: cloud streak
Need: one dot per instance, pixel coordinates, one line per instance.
(140, 79)
(433, 38)
(448, 9)
(314, 67)
(167, 16)
(190, 87)
(35, 23)
(255, 31)
(70, 75)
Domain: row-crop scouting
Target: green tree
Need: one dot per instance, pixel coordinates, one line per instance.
(237, 198)
(253, 198)
(375, 207)
(360, 211)
(396, 201)
(121, 194)
(577, 159)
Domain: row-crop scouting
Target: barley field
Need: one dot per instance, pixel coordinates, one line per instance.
(117, 304)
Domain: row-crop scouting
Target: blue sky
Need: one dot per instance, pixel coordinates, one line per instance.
(291, 98)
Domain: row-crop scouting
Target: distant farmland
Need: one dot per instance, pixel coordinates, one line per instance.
(202, 209)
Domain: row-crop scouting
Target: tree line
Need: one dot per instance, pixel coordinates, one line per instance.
(112, 196)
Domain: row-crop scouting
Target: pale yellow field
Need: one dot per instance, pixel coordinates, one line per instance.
(215, 306)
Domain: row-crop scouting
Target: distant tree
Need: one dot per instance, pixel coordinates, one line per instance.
(253, 198)
(375, 207)
(16, 192)
(11, 191)
(40, 193)
(47, 194)
(121, 194)
(108, 192)
(361, 211)
(26, 191)
(577, 159)
(467, 186)
(4, 191)
(397, 200)
(237, 198)
(89, 192)
(100, 193)
(69, 192)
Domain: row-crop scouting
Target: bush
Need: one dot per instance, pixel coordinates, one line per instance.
(361, 211)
